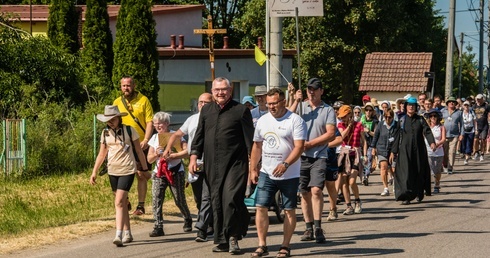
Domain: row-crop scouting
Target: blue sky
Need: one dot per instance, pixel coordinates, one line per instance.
(465, 22)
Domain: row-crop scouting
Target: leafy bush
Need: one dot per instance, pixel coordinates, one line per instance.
(60, 139)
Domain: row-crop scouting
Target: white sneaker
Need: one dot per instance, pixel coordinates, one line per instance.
(446, 170)
(128, 238)
(481, 157)
(386, 192)
(465, 162)
(476, 156)
(117, 241)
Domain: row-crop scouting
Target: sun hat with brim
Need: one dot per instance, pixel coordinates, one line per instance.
(466, 103)
(249, 99)
(386, 102)
(260, 90)
(480, 96)
(109, 113)
(433, 111)
(344, 110)
(400, 101)
(451, 99)
(369, 104)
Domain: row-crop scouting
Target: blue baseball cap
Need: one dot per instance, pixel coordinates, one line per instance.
(412, 100)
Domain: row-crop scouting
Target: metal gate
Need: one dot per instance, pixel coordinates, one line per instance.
(14, 158)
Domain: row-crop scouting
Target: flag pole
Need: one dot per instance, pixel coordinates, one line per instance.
(267, 39)
(298, 56)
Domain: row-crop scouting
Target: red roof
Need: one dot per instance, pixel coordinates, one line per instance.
(391, 71)
(41, 12)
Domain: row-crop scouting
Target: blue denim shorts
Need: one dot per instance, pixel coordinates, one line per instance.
(267, 188)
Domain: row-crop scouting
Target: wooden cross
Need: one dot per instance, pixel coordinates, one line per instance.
(210, 32)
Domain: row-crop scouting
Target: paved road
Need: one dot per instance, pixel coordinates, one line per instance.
(454, 223)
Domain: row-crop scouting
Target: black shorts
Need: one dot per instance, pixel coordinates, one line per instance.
(121, 182)
(332, 173)
(352, 159)
(312, 173)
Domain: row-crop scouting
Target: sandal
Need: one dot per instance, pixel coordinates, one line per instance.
(284, 252)
(261, 251)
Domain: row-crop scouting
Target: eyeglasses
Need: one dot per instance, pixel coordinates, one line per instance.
(216, 90)
(274, 103)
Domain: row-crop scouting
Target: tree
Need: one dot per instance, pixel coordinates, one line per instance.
(97, 54)
(31, 76)
(135, 52)
(63, 25)
(469, 72)
(333, 47)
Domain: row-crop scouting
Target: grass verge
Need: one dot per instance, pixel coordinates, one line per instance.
(64, 207)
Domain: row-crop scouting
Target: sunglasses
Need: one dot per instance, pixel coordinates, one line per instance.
(388, 117)
(368, 110)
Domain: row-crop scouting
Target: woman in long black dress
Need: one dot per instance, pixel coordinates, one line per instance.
(412, 173)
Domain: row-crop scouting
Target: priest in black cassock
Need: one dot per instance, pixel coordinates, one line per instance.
(412, 172)
(224, 137)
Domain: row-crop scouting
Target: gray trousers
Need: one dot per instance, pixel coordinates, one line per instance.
(203, 202)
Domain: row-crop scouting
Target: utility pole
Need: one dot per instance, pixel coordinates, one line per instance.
(480, 63)
(276, 51)
(460, 64)
(450, 46)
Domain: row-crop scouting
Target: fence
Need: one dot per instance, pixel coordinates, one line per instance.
(13, 158)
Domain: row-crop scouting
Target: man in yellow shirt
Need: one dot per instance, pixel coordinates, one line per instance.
(140, 118)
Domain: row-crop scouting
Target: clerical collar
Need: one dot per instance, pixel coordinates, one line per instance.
(222, 106)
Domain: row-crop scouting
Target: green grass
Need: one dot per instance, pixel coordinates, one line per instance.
(54, 201)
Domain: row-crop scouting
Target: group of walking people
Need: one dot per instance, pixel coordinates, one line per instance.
(278, 144)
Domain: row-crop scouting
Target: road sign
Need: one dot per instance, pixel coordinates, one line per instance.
(286, 8)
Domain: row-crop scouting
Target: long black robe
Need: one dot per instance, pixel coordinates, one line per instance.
(225, 137)
(412, 172)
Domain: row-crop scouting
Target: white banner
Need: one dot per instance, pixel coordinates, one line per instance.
(287, 8)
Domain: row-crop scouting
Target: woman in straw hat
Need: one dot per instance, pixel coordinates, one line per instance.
(119, 143)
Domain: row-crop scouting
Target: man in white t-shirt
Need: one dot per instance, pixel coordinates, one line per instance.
(279, 140)
(199, 188)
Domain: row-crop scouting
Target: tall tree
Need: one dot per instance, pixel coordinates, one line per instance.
(135, 52)
(97, 53)
(333, 47)
(63, 25)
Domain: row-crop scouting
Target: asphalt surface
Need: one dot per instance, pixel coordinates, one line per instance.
(454, 223)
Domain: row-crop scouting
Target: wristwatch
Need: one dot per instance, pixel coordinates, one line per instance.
(286, 165)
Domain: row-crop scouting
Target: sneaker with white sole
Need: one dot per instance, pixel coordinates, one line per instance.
(128, 238)
(476, 156)
(465, 162)
(481, 157)
(117, 241)
(349, 211)
(358, 207)
(332, 215)
(385, 192)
